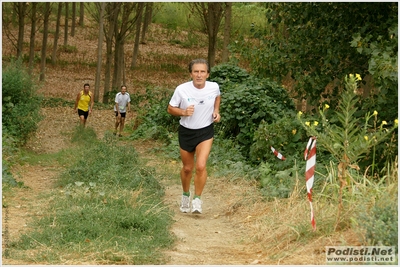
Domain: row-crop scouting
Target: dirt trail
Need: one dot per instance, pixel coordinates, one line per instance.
(205, 239)
(209, 238)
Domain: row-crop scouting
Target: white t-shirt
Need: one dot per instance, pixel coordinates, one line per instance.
(202, 99)
(122, 101)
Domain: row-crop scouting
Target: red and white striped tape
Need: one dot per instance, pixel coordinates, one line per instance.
(277, 154)
(310, 154)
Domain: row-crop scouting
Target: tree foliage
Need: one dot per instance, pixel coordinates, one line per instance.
(311, 42)
(382, 51)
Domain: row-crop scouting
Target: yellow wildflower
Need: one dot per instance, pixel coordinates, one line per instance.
(366, 138)
(307, 123)
(326, 106)
(396, 121)
(300, 113)
(294, 131)
(315, 123)
(358, 77)
(375, 112)
(384, 122)
(350, 75)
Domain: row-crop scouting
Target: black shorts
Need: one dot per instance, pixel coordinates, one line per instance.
(189, 138)
(122, 114)
(83, 113)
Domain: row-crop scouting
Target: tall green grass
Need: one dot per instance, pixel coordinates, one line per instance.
(107, 209)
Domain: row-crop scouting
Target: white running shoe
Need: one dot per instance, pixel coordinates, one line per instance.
(196, 205)
(185, 204)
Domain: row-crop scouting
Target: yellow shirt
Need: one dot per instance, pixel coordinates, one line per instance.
(84, 101)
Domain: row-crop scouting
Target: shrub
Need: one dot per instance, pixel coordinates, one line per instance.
(9, 155)
(227, 161)
(153, 120)
(380, 223)
(248, 101)
(21, 104)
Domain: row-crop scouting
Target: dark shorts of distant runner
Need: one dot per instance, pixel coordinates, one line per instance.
(190, 138)
(123, 114)
(85, 114)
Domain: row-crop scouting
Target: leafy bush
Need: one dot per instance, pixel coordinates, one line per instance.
(153, 120)
(380, 223)
(227, 161)
(228, 73)
(277, 183)
(9, 155)
(21, 104)
(248, 101)
(285, 135)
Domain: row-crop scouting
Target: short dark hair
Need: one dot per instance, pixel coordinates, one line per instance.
(198, 61)
(124, 86)
(86, 84)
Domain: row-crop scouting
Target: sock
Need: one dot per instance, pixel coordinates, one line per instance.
(196, 196)
(186, 194)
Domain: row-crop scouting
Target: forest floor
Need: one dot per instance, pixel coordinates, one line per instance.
(226, 233)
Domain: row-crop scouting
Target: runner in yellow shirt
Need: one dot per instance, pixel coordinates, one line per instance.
(84, 103)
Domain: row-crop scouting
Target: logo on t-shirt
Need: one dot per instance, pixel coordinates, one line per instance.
(193, 100)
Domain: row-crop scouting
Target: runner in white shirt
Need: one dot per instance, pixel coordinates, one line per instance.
(121, 107)
(197, 103)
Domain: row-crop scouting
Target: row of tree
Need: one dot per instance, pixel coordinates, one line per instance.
(316, 43)
(116, 22)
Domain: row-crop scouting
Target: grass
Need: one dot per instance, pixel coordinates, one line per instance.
(106, 209)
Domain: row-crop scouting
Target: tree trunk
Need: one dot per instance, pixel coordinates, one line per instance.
(21, 27)
(227, 31)
(137, 35)
(210, 15)
(32, 38)
(66, 25)
(73, 19)
(147, 21)
(112, 14)
(56, 34)
(127, 23)
(116, 55)
(44, 43)
(213, 22)
(118, 63)
(99, 52)
(81, 14)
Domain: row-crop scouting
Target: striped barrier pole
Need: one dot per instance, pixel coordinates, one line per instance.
(310, 155)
